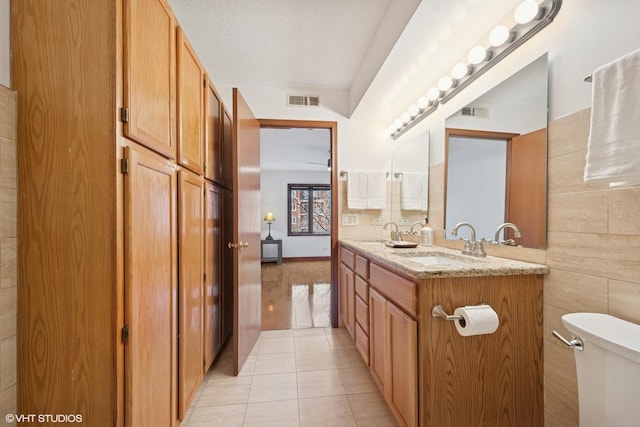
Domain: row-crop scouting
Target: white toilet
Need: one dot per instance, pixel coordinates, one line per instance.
(608, 369)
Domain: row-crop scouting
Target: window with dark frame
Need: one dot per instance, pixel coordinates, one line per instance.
(309, 210)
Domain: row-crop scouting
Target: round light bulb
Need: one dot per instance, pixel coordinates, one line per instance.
(414, 110)
(459, 70)
(526, 11)
(477, 55)
(398, 124)
(405, 117)
(499, 35)
(386, 133)
(433, 94)
(391, 129)
(422, 102)
(445, 83)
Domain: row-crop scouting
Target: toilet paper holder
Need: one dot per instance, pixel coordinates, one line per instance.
(438, 312)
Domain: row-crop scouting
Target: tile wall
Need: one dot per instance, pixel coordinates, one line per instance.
(8, 253)
(593, 253)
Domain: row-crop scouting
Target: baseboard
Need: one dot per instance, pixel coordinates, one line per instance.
(314, 258)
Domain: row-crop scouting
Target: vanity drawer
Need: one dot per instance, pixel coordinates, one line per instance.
(362, 288)
(362, 314)
(403, 292)
(362, 267)
(347, 257)
(362, 343)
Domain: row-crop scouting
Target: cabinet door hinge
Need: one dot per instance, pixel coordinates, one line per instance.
(124, 115)
(124, 165)
(125, 334)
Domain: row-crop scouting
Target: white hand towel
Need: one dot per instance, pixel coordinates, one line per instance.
(376, 190)
(356, 190)
(415, 191)
(613, 151)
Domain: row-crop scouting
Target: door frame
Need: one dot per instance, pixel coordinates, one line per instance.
(333, 130)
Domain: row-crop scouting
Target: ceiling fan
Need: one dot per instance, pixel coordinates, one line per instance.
(327, 163)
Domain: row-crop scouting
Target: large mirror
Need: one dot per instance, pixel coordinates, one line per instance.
(410, 181)
(496, 161)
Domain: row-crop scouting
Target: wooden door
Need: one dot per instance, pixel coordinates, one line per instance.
(150, 290)
(527, 198)
(246, 236)
(212, 274)
(402, 345)
(190, 283)
(213, 134)
(190, 101)
(377, 339)
(149, 75)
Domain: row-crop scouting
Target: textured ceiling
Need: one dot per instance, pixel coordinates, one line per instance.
(317, 43)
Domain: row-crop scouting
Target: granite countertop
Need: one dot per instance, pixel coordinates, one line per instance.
(440, 262)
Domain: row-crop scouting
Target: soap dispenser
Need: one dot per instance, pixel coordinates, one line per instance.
(426, 234)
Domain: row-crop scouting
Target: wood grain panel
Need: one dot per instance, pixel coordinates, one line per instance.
(190, 285)
(67, 199)
(348, 258)
(362, 288)
(190, 101)
(213, 134)
(212, 292)
(228, 148)
(402, 291)
(362, 313)
(362, 266)
(486, 380)
(150, 290)
(246, 211)
(149, 74)
(403, 390)
(378, 364)
(362, 343)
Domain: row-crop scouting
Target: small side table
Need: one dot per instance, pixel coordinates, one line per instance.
(277, 258)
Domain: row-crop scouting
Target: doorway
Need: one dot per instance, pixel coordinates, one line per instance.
(298, 246)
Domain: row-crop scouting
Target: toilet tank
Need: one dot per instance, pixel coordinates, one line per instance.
(608, 369)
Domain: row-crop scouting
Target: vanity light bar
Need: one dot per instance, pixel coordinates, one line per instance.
(530, 18)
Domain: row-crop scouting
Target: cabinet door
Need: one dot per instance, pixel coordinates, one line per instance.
(402, 344)
(150, 290)
(191, 90)
(377, 339)
(346, 301)
(227, 150)
(227, 264)
(190, 283)
(213, 134)
(149, 75)
(212, 274)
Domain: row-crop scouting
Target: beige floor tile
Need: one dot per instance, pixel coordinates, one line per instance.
(326, 411)
(311, 344)
(278, 414)
(370, 409)
(218, 392)
(348, 358)
(275, 363)
(340, 341)
(319, 383)
(277, 333)
(305, 332)
(276, 345)
(249, 366)
(315, 361)
(227, 416)
(357, 380)
(272, 387)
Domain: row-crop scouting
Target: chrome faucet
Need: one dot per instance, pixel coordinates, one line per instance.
(471, 247)
(516, 233)
(418, 223)
(395, 235)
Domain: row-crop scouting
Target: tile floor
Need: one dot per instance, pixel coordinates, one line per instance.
(294, 377)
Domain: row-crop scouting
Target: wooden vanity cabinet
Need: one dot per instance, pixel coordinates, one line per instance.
(393, 337)
(149, 102)
(191, 86)
(346, 298)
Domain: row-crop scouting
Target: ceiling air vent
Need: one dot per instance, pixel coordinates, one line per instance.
(479, 112)
(303, 100)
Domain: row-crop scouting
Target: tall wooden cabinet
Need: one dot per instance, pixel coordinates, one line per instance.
(114, 309)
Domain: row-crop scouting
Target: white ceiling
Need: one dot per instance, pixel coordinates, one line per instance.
(386, 53)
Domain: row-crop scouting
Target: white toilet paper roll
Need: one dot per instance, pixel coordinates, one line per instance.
(476, 320)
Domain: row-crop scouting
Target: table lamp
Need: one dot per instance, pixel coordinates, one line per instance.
(269, 218)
